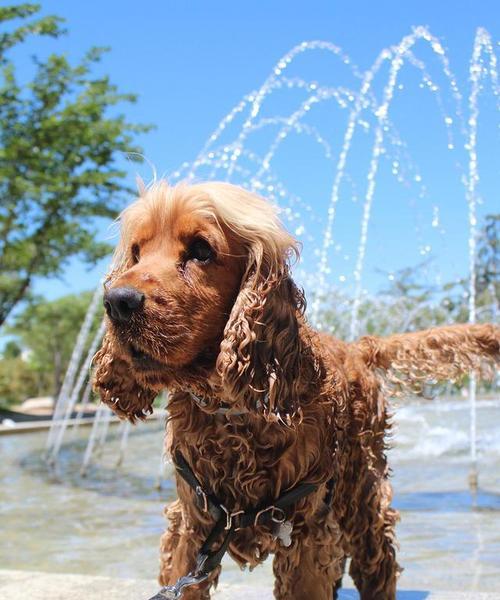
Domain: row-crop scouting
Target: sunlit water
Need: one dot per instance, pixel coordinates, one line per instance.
(109, 523)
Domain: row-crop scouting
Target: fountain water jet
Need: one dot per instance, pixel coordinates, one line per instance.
(240, 161)
(482, 41)
(68, 384)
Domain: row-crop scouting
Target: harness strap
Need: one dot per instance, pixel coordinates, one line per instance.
(233, 521)
(206, 502)
(207, 559)
(263, 513)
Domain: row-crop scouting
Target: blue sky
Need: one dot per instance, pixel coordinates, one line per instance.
(192, 61)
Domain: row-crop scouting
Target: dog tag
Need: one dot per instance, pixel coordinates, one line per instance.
(285, 533)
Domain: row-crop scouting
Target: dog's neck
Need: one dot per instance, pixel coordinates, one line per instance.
(204, 388)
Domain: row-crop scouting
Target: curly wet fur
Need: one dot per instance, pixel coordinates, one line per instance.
(305, 406)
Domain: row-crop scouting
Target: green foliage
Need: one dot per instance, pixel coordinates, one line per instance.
(12, 350)
(18, 381)
(44, 26)
(47, 332)
(487, 281)
(59, 143)
(488, 257)
(410, 303)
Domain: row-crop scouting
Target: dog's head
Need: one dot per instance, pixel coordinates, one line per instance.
(200, 296)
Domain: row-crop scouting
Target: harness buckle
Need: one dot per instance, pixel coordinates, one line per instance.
(277, 514)
(201, 494)
(230, 516)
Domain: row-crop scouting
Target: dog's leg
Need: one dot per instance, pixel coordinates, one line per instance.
(170, 540)
(368, 525)
(373, 568)
(313, 565)
(179, 547)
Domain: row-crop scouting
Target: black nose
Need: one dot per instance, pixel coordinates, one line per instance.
(121, 302)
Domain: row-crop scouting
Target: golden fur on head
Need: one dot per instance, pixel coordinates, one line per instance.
(253, 220)
(216, 313)
(247, 304)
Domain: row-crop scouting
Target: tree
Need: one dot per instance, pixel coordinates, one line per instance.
(18, 381)
(59, 145)
(11, 350)
(487, 281)
(488, 256)
(47, 332)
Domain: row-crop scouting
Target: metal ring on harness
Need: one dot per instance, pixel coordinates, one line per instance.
(279, 519)
(230, 516)
(208, 560)
(201, 494)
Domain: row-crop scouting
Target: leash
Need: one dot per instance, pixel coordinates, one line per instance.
(229, 522)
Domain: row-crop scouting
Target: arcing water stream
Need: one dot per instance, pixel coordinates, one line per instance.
(356, 107)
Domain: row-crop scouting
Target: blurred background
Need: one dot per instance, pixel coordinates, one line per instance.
(373, 126)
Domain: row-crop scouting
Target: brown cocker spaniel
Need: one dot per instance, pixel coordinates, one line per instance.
(200, 302)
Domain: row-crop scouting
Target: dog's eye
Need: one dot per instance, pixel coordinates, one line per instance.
(200, 250)
(135, 252)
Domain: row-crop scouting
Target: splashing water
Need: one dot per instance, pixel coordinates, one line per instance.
(67, 388)
(247, 145)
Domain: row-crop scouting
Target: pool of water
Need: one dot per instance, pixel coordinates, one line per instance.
(109, 522)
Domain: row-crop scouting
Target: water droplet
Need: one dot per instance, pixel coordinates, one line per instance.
(435, 216)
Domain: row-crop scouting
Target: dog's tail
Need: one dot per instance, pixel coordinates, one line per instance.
(409, 360)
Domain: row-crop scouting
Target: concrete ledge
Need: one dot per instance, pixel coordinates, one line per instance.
(33, 426)
(42, 425)
(20, 585)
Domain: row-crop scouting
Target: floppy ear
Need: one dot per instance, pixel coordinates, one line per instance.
(263, 353)
(114, 382)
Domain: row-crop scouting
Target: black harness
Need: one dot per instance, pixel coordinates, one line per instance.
(207, 560)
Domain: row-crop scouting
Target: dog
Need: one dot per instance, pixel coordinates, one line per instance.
(278, 432)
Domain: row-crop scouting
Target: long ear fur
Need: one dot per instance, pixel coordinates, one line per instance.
(114, 382)
(263, 355)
